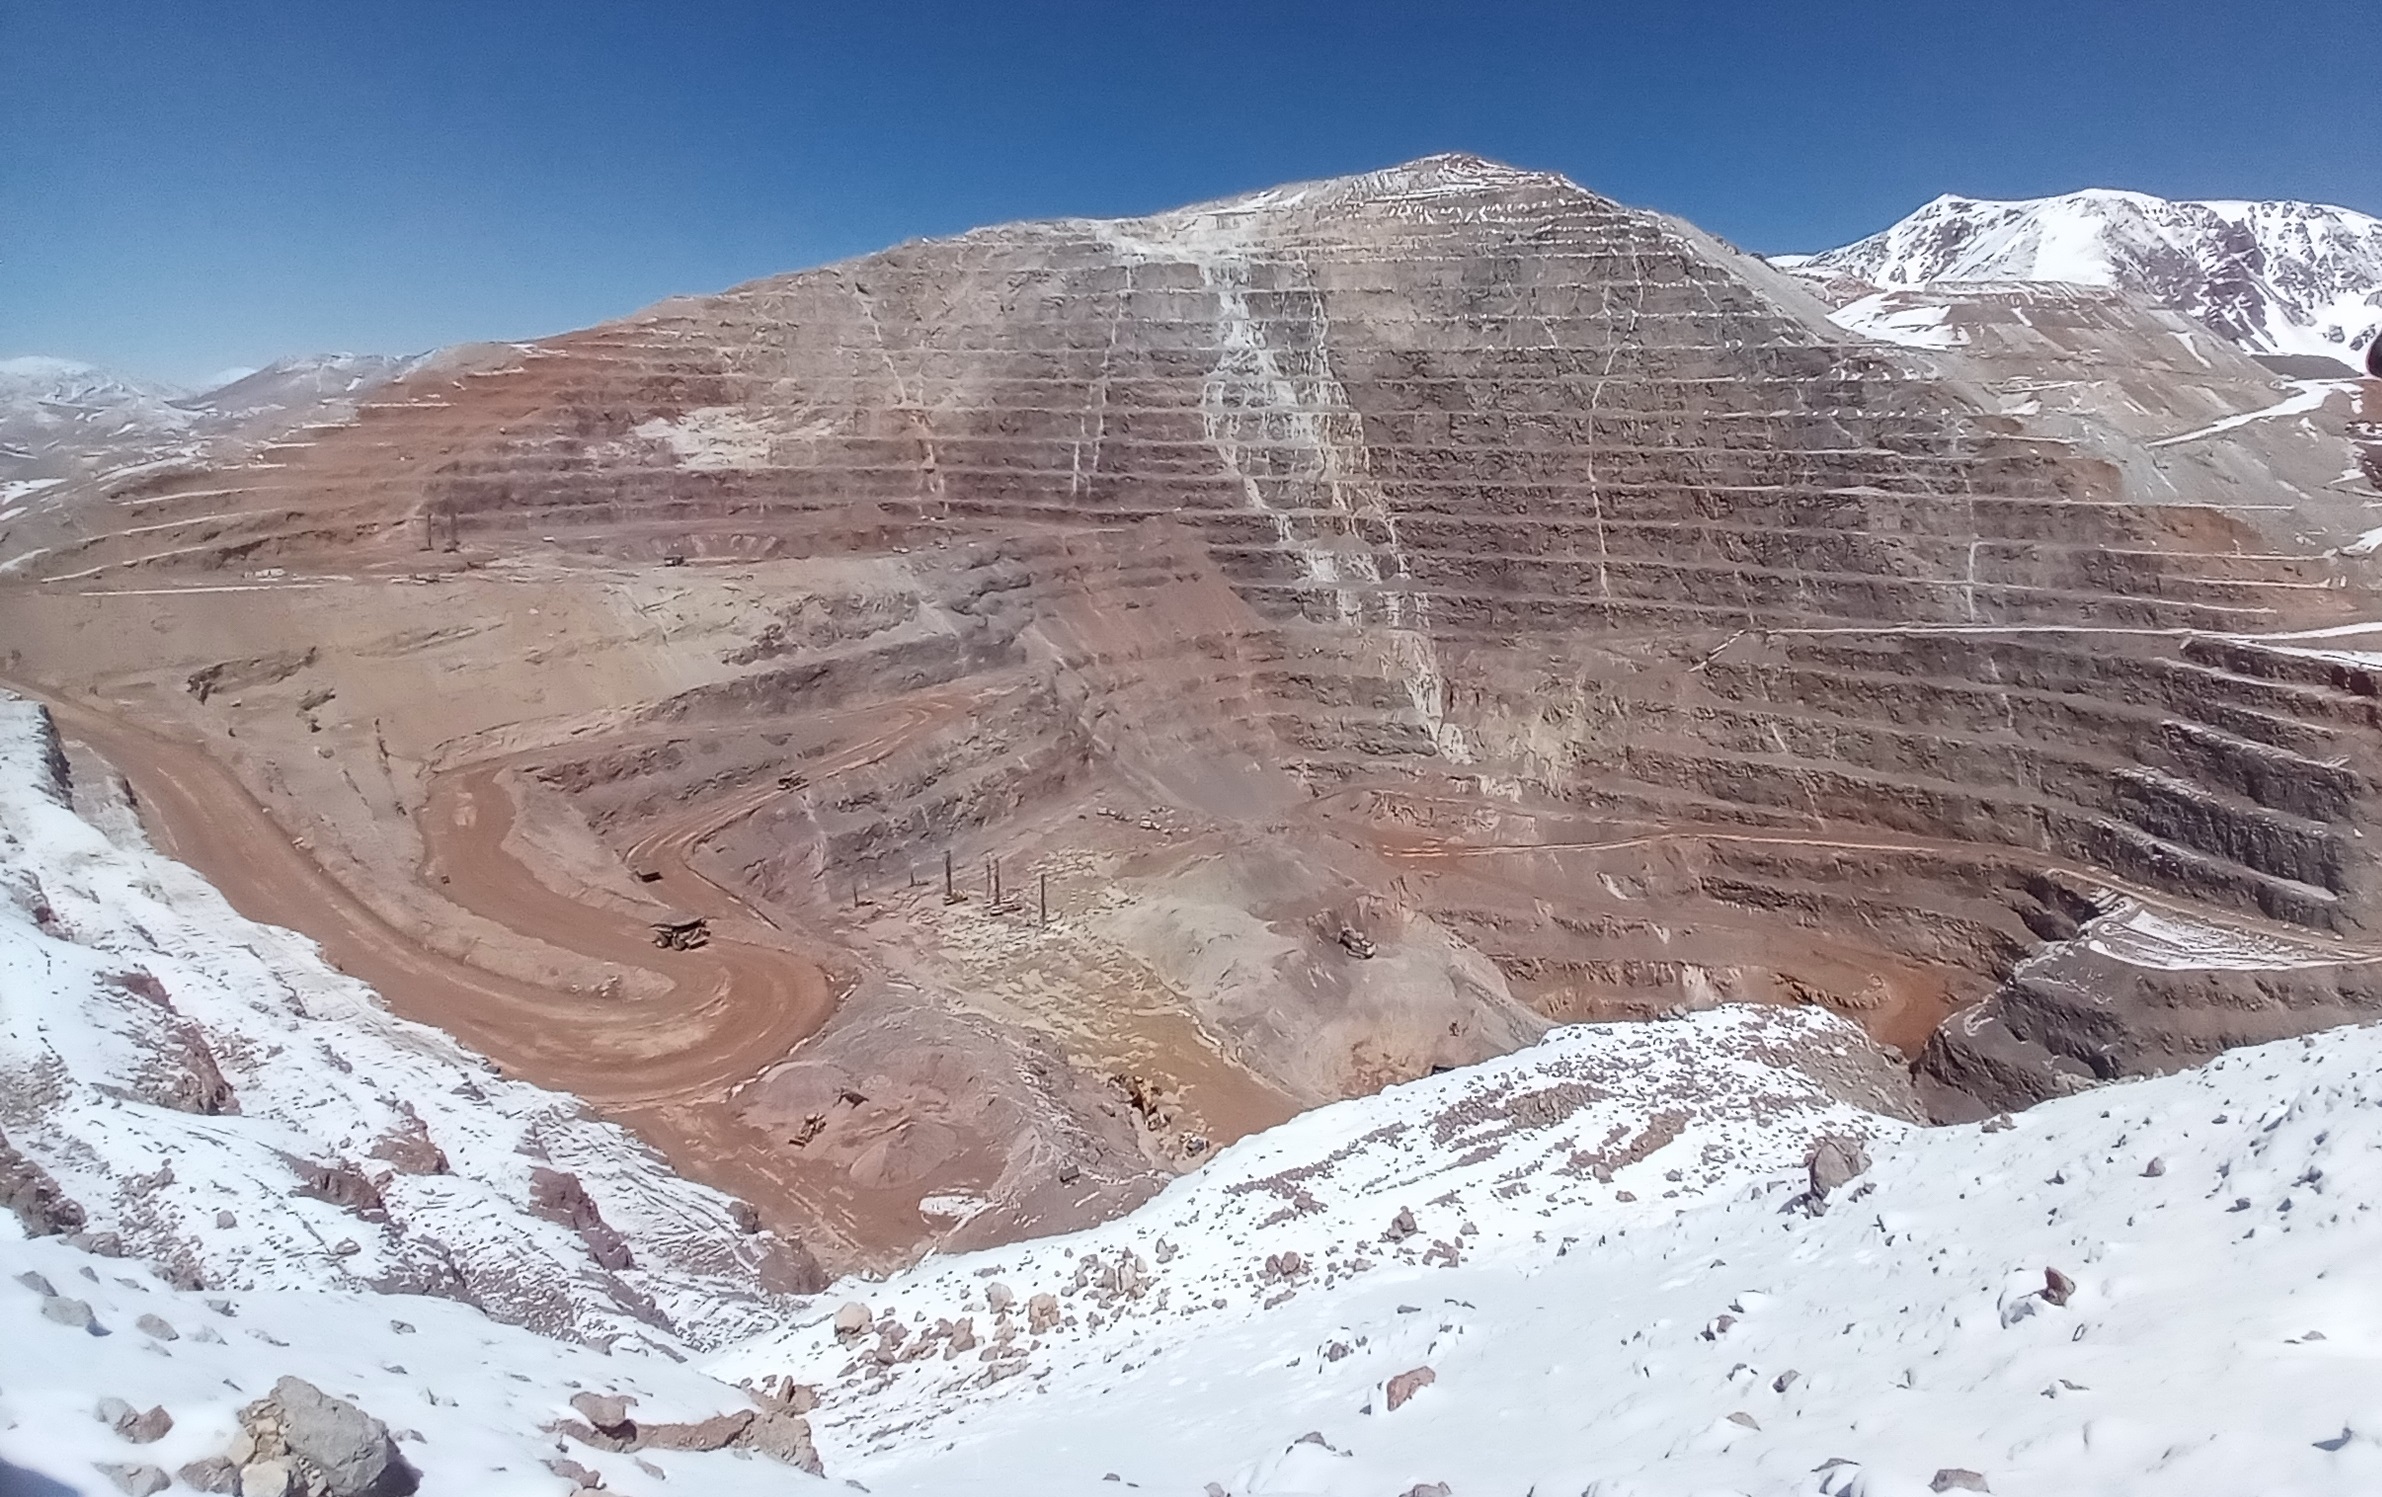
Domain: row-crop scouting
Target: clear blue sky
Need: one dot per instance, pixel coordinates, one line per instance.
(186, 186)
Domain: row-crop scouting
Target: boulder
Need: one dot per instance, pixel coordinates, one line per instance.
(1408, 1383)
(349, 1447)
(68, 1312)
(1957, 1479)
(136, 1480)
(157, 1326)
(608, 1412)
(997, 1296)
(852, 1321)
(1042, 1313)
(1835, 1160)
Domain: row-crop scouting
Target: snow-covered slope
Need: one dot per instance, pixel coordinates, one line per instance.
(2170, 1286)
(2274, 277)
(54, 409)
(226, 1121)
(1596, 1265)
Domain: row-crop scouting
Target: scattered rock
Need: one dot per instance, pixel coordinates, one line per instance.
(1786, 1380)
(1429, 1489)
(852, 1321)
(36, 1283)
(2057, 1286)
(1284, 1266)
(136, 1481)
(997, 1295)
(1402, 1226)
(408, 1148)
(147, 1427)
(1835, 1161)
(226, 1221)
(155, 1325)
(343, 1185)
(97, 1244)
(1408, 1383)
(1958, 1479)
(68, 1312)
(570, 1470)
(214, 1474)
(1741, 1417)
(2155, 1168)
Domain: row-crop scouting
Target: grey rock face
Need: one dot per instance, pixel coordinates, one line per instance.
(136, 1480)
(351, 1449)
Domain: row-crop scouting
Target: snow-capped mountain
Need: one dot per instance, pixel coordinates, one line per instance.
(2274, 277)
(60, 419)
(301, 385)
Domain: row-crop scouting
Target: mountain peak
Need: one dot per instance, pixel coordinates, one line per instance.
(2276, 277)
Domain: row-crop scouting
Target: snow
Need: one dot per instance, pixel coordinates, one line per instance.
(2275, 277)
(1891, 318)
(2224, 1335)
(117, 968)
(1616, 1276)
(2307, 395)
(469, 1397)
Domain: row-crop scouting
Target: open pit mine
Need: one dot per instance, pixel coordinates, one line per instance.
(940, 744)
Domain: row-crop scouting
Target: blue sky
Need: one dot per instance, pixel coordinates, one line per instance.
(185, 187)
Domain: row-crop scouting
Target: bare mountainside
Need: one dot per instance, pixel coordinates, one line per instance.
(1358, 624)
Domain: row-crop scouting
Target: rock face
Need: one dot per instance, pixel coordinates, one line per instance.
(27, 1190)
(1530, 587)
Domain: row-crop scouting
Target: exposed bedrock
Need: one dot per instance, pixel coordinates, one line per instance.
(2076, 1018)
(1395, 613)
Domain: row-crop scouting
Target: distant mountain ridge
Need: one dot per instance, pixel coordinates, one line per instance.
(59, 417)
(2273, 277)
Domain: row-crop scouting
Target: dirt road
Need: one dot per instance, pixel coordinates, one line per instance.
(664, 1066)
